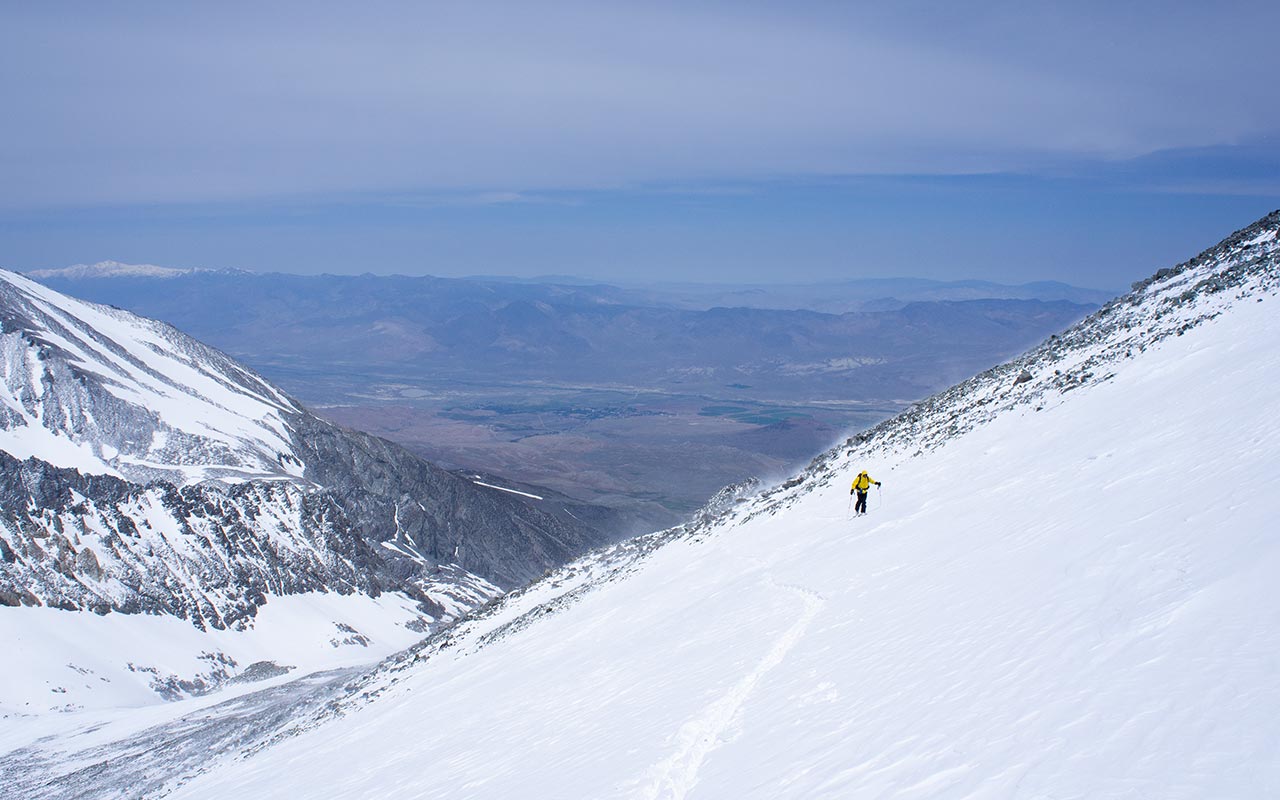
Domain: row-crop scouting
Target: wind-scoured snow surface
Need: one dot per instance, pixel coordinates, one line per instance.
(108, 393)
(1066, 588)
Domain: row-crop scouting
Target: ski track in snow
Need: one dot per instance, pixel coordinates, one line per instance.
(675, 776)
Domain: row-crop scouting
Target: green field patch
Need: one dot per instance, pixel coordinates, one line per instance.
(468, 415)
(768, 417)
(721, 411)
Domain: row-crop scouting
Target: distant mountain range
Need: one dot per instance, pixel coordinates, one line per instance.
(385, 328)
(835, 297)
(832, 297)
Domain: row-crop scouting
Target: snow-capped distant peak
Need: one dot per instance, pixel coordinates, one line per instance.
(109, 269)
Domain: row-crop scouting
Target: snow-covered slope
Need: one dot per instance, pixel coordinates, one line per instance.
(74, 664)
(1066, 588)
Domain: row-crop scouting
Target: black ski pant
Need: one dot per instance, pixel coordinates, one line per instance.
(860, 507)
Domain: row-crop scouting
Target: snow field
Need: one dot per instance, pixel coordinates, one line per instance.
(1074, 602)
(79, 663)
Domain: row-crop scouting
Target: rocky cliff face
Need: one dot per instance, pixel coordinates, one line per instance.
(506, 538)
(141, 471)
(204, 553)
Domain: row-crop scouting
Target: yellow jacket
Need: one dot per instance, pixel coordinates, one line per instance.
(863, 482)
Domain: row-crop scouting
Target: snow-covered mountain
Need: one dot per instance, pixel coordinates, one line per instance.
(141, 471)
(1065, 588)
(109, 269)
(100, 390)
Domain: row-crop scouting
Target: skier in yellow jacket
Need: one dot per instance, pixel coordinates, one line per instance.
(860, 485)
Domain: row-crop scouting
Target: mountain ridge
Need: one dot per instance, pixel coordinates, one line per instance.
(672, 293)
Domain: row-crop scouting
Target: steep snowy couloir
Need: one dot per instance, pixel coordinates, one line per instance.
(1065, 588)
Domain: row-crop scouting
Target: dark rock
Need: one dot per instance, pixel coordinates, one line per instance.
(260, 671)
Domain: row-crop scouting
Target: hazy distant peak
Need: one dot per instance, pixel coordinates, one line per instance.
(110, 269)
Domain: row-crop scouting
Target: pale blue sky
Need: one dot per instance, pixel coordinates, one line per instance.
(1086, 142)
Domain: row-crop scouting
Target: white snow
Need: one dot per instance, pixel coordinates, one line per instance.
(78, 664)
(1074, 602)
(504, 489)
(109, 269)
(33, 440)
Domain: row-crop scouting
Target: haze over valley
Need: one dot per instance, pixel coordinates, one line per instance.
(645, 398)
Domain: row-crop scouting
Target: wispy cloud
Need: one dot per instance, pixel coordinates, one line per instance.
(465, 199)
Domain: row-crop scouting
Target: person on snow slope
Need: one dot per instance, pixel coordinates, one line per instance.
(860, 485)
